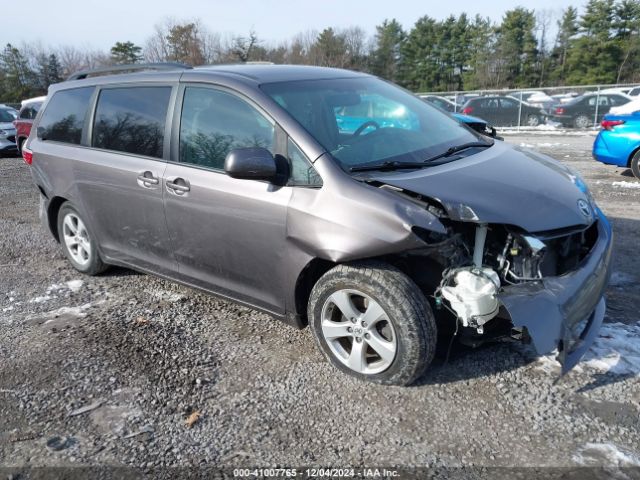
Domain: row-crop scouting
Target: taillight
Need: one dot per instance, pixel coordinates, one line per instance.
(559, 111)
(27, 155)
(467, 110)
(609, 124)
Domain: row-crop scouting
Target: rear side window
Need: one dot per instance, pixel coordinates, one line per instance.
(30, 111)
(63, 119)
(132, 120)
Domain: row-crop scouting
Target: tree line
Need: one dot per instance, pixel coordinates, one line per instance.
(598, 45)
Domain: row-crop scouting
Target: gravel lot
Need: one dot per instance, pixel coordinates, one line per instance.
(143, 354)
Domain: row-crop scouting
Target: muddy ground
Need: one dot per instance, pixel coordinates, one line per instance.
(105, 370)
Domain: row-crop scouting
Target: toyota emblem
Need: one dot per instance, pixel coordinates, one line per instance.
(584, 208)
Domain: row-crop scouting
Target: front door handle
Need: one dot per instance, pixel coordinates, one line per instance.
(179, 185)
(147, 179)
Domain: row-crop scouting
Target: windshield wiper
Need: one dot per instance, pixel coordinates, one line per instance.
(458, 148)
(395, 165)
(388, 165)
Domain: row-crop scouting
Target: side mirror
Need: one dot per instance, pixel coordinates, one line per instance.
(250, 164)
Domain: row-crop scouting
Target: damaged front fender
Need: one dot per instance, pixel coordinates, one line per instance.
(352, 220)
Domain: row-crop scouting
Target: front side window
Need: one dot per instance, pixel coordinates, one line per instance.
(215, 122)
(132, 120)
(302, 172)
(365, 120)
(63, 119)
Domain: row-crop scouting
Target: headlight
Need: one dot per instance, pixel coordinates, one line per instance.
(3, 133)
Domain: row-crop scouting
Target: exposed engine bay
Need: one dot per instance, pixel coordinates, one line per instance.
(478, 260)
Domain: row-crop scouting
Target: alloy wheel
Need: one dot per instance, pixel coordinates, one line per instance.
(76, 239)
(358, 332)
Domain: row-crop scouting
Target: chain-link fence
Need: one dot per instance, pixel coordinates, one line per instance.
(576, 107)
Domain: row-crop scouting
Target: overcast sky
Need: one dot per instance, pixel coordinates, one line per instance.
(99, 24)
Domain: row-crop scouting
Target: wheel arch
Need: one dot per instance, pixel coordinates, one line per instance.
(305, 282)
(632, 154)
(52, 215)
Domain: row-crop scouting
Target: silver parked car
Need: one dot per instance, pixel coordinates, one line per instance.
(323, 197)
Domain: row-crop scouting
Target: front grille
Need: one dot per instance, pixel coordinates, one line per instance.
(564, 253)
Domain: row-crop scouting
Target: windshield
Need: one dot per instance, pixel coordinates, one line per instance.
(365, 120)
(6, 115)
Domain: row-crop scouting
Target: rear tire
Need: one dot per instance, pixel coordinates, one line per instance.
(582, 121)
(78, 244)
(372, 322)
(635, 164)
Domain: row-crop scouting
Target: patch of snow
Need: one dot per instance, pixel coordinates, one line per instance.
(624, 184)
(44, 298)
(606, 455)
(7, 309)
(548, 363)
(74, 285)
(567, 156)
(615, 350)
(527, 145)
(70, 311)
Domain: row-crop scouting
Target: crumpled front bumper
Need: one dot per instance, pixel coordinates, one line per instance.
(565, 312)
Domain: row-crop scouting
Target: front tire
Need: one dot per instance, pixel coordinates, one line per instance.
(79, 246)
(372, 322)
(635, 164)
(533, 120)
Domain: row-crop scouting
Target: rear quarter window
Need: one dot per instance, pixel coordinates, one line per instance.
(64, 116)
(132, 120)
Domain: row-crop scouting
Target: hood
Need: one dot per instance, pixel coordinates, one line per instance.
(502, 184)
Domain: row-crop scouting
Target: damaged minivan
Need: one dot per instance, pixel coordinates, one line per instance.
(326, 198)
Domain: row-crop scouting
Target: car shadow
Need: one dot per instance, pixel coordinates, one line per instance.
(114, 271)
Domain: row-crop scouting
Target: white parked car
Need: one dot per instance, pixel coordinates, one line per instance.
(632, 106)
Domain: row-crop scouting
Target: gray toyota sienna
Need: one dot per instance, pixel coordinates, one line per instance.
(323, 197)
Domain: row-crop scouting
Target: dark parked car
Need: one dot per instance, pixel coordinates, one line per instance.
(28, 112)
(238, 180)
(503, 111)
(441, 102)
(584, 111)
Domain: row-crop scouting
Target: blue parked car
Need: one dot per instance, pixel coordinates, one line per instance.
(372, 112)
(618, 143)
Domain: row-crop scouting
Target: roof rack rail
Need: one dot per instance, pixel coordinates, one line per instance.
(128, 68)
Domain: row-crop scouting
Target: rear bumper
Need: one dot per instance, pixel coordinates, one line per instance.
(602, 153)
(565, 312)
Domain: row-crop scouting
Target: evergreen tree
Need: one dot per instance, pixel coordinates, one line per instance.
(126, 53)
(418, 67)
(567, 29)
(19, 81)
(594, 56)
(330, 49)
(517, 48)
(385, 59)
